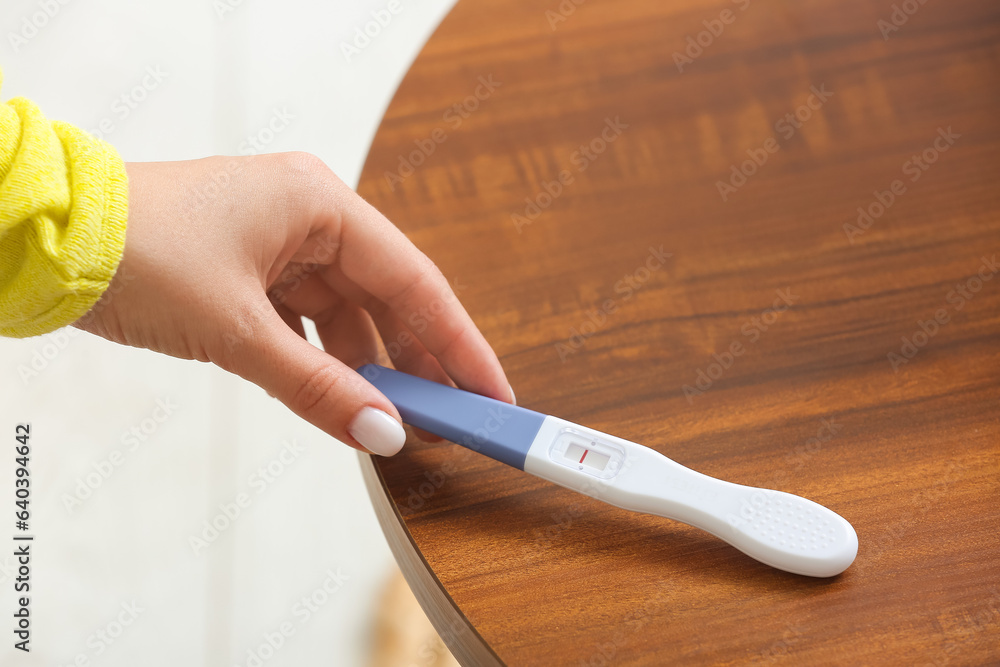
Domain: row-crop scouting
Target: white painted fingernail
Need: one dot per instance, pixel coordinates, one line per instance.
(513, 398)
(377, 432)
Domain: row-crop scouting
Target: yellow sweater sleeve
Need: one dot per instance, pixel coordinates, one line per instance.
(63, 208)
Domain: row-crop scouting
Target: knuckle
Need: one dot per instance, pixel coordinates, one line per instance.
(322, 384)
(453, 341)
(426, 272)
(301, 162)
(306, 169)
(241, 337)
(310, 180)
(430, 270)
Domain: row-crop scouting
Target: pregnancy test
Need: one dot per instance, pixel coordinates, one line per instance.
(780, 529)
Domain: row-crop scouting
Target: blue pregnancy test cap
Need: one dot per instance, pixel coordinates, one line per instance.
(499, 430)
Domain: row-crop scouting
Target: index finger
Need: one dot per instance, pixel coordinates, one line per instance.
(376, 256)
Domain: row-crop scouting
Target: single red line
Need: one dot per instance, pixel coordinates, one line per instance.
(584, 455)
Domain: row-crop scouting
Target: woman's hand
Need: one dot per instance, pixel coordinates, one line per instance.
(225, 256)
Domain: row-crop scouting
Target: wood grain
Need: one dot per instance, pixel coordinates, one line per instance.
(591, 329)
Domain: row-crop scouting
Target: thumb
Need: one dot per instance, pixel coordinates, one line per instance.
(314, 385)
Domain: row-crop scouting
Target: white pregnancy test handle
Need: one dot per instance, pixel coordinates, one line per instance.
(780, 529)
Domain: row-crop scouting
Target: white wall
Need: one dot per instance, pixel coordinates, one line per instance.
(222, 76)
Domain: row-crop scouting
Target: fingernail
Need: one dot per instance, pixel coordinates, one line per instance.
(377, 432)
(513, 398)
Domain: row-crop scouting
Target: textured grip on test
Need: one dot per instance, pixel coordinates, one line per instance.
(499, 430)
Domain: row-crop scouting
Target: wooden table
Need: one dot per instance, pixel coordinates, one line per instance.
(663, 241)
